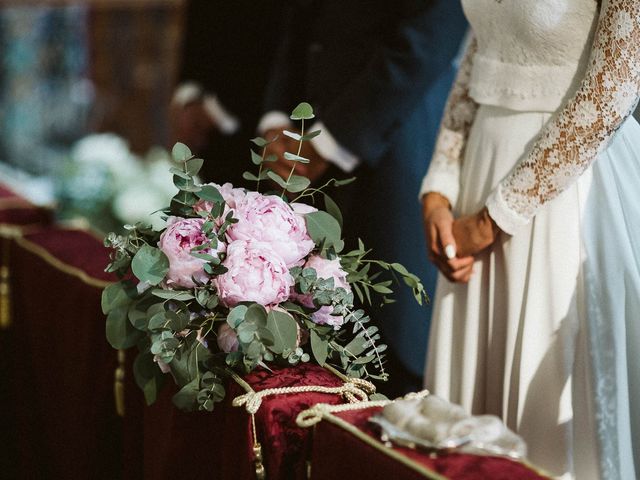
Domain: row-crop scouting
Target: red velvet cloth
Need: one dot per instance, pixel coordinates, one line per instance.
(337, 453)
(219, 444)
(57, 411)
(16, 210)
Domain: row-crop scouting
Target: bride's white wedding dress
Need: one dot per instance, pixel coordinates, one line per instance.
(546, 334)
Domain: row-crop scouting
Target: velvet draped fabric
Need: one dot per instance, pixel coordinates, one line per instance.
(219, 444)
(15, 210)
(338, 453)
(56, 408)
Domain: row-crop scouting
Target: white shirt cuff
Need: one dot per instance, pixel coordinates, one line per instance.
(327, 146)
(227, 123)
(273, 119)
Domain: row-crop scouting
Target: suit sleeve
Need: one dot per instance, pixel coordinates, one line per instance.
(286, 78)
(366, 114)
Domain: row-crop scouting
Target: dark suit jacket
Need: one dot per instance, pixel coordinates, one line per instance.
(228, 48)
(377, 73)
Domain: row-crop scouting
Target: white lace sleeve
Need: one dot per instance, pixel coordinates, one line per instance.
(584, 126)
(444, 170)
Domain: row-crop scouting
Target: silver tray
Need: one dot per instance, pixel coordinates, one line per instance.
(392, 434)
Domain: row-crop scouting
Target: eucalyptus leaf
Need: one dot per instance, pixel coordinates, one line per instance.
(193, 166)
(179, 173)
(322, 227)
(138, 318)
(173, 294)
(249, 176)
(255, 158)
(236, 315)
(297, 183)
(310, 135)
(303, 111)
(117, 295)
(148, 376)
(256, 314)
(332, 209)
(277, 178)
(295, 158)
(180, 152)
(346, 181)
(210, 194)
(284, 330)
(319, 348)
(158, 321)
(294, 135)
(187, 398)
(120, 333)
(259, 141)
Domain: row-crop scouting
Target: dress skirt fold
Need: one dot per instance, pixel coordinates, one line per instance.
(519, 338)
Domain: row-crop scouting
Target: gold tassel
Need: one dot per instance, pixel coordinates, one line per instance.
(5, 287)
(118, 384)
(257, 452)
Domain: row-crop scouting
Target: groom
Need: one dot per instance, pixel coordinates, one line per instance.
(377, 74)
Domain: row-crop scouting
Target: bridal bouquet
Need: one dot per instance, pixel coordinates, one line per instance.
(239, 279)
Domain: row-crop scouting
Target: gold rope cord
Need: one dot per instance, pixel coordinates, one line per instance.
(326, 413)
(354, 390)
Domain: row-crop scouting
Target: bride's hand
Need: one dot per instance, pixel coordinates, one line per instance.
(474, 233)
(438, 223)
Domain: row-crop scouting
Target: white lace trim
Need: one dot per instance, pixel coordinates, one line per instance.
(582, 129)
(443, 175)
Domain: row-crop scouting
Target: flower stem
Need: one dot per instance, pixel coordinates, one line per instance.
(293, 167)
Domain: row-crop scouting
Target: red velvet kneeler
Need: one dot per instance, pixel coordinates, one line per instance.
(16, 210)
(219, 445)
(346, 445)
(57, 412)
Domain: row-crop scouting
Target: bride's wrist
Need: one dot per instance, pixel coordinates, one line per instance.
(433, 200)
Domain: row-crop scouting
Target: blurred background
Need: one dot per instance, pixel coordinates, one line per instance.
(85, 91)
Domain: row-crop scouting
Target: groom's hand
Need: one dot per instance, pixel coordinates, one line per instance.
(475, 233)
(313, 170)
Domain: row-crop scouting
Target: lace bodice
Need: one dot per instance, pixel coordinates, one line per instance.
(600, 96)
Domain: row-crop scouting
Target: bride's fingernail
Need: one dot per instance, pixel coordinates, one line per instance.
(450, 251)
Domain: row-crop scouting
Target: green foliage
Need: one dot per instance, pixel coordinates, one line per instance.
(284, 329)
(150, 265)
(303, 111)
(323, 229)
(148, 376)
(120, 333)
(177, 327)
(181, 153)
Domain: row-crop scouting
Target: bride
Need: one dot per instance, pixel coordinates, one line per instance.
(538, 161)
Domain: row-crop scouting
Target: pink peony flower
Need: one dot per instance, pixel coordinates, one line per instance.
(230, 194)
(181, 235)
(302, 208)
(323, 317)
(255, 274)
(269, 219)
(227, 338)
(325, 269)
